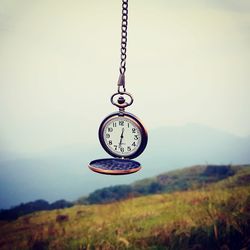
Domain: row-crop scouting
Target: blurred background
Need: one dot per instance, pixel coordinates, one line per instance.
(187, 68)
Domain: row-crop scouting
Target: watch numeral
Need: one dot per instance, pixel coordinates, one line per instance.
(133, 130)
(114, 124)
(133, 144)
(136, 137)
(122, 149)
(115, 146)
(129, 148)
(107, 135)
(128, 124)
(110, 142)
(110, 130)
(121, 123)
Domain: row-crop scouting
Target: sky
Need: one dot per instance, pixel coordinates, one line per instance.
(187, 62)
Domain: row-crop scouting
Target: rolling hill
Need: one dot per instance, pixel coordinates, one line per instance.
(212, 216)
(178, 180)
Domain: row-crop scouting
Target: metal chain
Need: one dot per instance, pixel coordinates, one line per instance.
(124, 27)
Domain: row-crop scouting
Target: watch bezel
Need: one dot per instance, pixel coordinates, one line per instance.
(143, 131)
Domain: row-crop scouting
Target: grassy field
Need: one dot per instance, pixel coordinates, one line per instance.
(214, 217)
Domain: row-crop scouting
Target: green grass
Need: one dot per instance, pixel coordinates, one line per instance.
(213, 217)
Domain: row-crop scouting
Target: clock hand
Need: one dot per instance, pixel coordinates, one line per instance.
(120, 143)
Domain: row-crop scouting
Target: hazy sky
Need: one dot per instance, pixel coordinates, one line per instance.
(188, 61)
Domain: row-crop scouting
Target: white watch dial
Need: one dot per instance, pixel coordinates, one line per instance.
(122, 136)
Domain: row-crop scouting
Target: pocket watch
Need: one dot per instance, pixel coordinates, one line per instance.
(121, 134)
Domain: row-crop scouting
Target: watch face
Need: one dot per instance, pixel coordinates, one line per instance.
(122, 136)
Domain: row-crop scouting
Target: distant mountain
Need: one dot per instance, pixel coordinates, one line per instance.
(175, 146)
(64, 172)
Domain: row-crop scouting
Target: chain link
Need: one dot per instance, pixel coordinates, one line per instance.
(124, 27)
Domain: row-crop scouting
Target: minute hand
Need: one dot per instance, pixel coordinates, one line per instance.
(120, 143)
